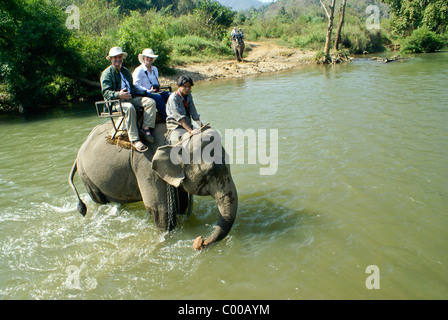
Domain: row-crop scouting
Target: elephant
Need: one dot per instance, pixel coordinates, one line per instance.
(114, 174)
(238, 48)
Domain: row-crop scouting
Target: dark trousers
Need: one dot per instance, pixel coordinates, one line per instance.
(160, 98)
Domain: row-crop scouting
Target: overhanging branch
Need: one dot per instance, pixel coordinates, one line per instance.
(325, 8)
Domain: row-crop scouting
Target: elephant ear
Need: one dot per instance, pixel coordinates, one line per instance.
(168, 166)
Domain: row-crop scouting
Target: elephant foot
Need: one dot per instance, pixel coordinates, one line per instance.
(199, 243)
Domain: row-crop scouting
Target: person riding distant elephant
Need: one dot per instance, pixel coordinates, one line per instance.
(121, 175)
(241, 33)
(116, 83)
(238, 45)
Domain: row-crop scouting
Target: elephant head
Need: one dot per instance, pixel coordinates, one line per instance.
(198, 166)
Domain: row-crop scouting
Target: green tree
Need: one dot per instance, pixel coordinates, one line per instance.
(98, 17)
(34, 51)
(186, 6)
(214, 18)
(330, 15)
(139, 31)
(409, 15)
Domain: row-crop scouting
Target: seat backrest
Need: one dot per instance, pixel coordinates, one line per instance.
(109, 108)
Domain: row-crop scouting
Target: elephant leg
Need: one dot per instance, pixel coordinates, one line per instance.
(239, 57)
(155, 198)
(163, 220)
(177, 202)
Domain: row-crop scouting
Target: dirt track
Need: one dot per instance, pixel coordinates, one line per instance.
(259, 57)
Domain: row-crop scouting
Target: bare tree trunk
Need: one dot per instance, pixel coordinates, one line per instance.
(330, 15)
(341, 22)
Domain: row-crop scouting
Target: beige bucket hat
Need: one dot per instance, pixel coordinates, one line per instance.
(116, 51)
(147, 53)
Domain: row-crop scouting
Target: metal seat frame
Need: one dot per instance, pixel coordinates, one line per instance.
(108, 109)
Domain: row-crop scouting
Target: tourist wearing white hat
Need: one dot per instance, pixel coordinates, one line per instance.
(146, 77)
(233, 33)
(116, 83)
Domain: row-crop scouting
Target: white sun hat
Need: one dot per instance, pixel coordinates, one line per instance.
(147, 53)
(116, 51)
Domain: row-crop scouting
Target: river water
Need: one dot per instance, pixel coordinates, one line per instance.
(361, 181)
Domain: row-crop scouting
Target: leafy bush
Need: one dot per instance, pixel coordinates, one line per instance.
(423, 40)
(137, 32)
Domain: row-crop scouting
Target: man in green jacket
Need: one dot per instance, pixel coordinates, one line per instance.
(116, 83)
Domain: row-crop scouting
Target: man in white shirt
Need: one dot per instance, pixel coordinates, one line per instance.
(146, 78)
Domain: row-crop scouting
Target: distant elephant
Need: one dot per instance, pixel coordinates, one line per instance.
(238, 48)
(113, 173)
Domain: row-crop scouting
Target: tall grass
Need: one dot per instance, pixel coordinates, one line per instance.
(193, 48)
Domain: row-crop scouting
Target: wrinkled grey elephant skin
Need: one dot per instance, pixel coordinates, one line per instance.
(112, 173)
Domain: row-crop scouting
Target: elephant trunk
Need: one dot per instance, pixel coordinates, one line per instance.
(227, 202)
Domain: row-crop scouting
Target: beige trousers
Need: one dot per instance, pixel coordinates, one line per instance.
(149, 115)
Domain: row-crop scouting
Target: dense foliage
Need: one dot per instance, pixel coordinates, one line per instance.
(34, 52)
(409, 15)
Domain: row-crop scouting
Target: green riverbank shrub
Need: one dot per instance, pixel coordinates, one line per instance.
(423, 40)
